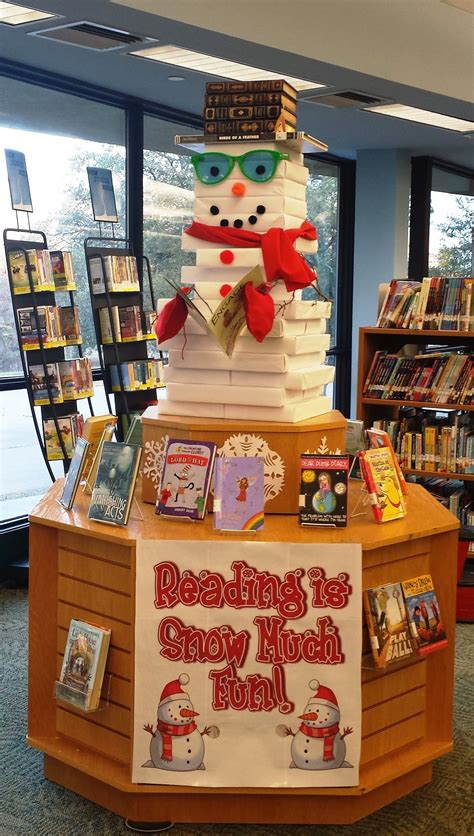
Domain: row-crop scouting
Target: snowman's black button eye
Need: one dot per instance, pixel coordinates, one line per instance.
(179, 706)
(238, 223)
(214, 170)
(214, 210)
(260, 169)
(260, 209)
(224, 222)
(253, 219)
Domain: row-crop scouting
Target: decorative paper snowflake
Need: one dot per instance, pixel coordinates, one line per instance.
(248, 444)
(323, 449)
(154, 458)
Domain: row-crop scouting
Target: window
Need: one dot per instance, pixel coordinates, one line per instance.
(60, 136)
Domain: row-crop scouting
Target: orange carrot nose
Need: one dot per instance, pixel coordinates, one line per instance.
(186, 712)
(238, 189)
(310, 715)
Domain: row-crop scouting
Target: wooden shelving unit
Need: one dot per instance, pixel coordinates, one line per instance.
(391, 340)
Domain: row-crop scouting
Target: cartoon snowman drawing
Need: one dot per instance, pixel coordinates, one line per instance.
(318, 743)
(250, 210)
(177, 744)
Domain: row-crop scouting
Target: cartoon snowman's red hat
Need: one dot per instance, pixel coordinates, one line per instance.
(173, 690)
(322, 695)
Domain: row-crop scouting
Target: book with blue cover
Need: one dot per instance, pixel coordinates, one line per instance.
(239, 496)
(115, 483)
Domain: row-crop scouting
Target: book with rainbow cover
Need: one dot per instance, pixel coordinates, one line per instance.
(239, 493)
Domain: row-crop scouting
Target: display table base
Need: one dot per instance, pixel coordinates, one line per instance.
(280, 445)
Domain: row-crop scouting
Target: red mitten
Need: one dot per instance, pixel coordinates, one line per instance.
(259, 311)
(171, 319)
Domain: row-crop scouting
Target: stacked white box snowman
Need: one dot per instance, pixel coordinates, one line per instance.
(243, 190)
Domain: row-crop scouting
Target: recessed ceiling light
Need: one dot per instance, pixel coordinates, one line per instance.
(210, 65)
(427, 117)
(176, 78)
(13, 15)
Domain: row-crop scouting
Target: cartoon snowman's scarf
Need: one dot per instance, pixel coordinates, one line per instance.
(328, 733)
(280, 259)
(167, 731)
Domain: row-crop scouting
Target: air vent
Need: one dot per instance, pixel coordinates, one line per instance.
(346, 98)
(91, 36)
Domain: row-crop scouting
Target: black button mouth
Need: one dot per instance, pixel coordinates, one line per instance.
(238, 223)
(224, 222)
(252, 219)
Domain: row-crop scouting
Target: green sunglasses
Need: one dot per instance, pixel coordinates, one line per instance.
(212, 167)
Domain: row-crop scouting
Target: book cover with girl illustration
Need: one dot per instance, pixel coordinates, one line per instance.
(239, 493)
(323, 490)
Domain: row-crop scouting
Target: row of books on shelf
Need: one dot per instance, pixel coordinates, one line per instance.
(437, 377)
(121, 273)
(135, 375)
(436, 304)
(403, 620)
(58, 326)
(452, 494)
(70, 429)
(433, 443)
(127, 322)
(68, 380)
(50, 270)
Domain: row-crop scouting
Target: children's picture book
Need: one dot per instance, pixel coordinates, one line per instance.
(115, 483)
(323, 490)
(380, 438)
(387, 622)
(239, 497)
(424, 614)
(82, 671)
(74, 474)
(381, 479)
(186, 479)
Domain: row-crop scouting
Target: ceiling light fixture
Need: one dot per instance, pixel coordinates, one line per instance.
(426, 117)
(13, 15)
(211, 65)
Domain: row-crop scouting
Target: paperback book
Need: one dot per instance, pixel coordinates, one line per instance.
(186, 478)
(40, 376)
(239, 496)
(379, 438)
(424, 614)
(323, 490)
(381, 479)
(92, 432)
(387, 623)
(74, 474)
(70, 427)
(114, 486)
(40, 269)
(83, 667)
(63, 270)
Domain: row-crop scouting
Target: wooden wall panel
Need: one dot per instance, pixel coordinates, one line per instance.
(93, 570)
(90, 734)
(392, 682)
(393, 710)
(122, 633)
(96, 548)
(113, 604)
(384, 742)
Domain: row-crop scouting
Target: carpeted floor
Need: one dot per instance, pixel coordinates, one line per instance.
(31, 806)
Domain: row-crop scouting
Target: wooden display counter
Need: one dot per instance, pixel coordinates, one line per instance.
(79, 568)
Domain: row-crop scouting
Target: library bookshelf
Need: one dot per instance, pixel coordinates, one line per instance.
(80, 568)
(391, 340)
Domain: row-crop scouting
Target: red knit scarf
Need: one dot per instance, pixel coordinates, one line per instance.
(167, 730)
(280, 259)
(329, 734)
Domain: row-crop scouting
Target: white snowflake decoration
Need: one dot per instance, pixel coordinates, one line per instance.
(323, 449)
(154, 459)
(248, 444)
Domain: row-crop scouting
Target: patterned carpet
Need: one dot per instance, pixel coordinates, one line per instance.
(31, 806)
